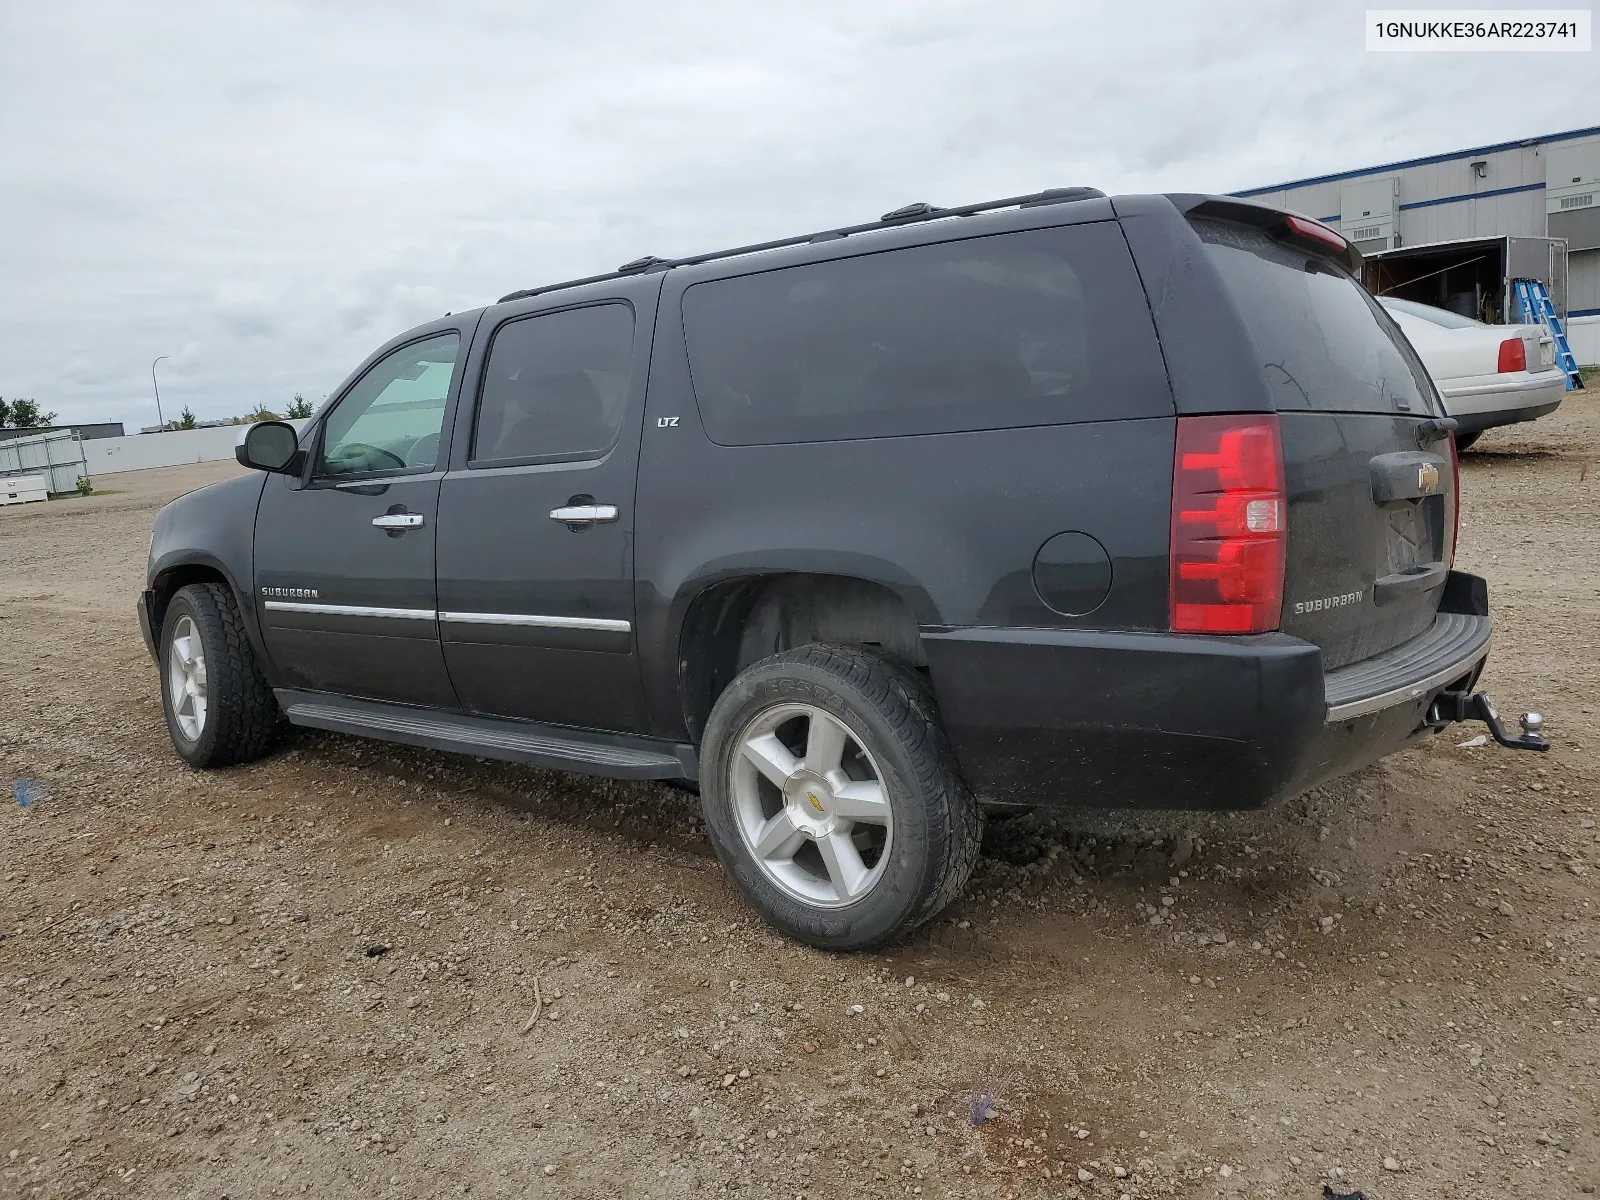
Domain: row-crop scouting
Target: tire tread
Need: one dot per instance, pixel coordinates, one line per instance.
(247, 720)
(903, 699)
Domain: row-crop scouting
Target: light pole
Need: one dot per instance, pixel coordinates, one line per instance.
(161, 422)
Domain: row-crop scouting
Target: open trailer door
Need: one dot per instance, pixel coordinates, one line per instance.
(1544, 259)
(1473, 277)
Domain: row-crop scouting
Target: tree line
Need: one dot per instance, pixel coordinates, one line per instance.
(26, 414)
(298, 408)
(23, 414)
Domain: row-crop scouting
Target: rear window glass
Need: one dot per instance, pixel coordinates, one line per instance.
(1323, 341)
(1041, 327)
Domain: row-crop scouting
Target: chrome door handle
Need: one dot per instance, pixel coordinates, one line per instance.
(399, 521)
(585, 514)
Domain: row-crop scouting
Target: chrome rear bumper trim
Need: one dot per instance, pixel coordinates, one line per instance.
(1448, 651)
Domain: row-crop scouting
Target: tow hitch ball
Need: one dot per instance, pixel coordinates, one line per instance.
(1476, 706)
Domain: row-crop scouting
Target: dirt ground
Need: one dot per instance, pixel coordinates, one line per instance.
(1388, 985)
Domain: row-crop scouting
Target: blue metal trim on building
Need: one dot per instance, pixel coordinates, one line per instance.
(1525, 187)
(1422, 162)
(1522, 187)
(1583, 312)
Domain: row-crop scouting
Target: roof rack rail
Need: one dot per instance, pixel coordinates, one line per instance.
(920, 211)
(906, 215)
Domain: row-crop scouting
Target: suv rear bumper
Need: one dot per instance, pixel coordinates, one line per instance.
(1153, 720)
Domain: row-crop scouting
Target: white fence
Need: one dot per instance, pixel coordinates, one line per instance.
(56, 456)
(141, 451)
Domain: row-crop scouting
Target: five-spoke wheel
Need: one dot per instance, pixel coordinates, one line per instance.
(186, 678)
(219, 708)
(832, 797)
(811, 805)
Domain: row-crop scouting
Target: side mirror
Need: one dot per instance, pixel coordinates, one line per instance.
(269, 446)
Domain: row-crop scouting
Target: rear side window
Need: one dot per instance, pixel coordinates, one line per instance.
(1042, 327)
(555, 385)
(1324, 343)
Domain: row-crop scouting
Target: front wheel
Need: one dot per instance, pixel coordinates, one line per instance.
(219, 708)
(832, 798)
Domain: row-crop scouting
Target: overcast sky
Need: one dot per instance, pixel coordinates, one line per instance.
(267, 191)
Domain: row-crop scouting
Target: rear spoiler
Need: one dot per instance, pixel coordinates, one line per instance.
(1307, 233)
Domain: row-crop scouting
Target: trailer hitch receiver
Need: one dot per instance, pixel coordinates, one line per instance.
(1476, 706)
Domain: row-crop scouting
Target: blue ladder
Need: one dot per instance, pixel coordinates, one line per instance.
(1537, 310)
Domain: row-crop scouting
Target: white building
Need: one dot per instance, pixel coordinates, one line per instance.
(1454, 229)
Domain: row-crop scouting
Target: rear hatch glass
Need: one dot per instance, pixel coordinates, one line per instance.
(1370, 484)
(1325, 344)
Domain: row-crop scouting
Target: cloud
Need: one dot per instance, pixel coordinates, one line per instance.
(287, 185)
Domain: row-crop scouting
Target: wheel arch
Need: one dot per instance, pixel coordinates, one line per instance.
(730, 623)
(179, 571)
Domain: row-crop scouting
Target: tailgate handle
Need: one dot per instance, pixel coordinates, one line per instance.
(1407, 475)
(1398, 586)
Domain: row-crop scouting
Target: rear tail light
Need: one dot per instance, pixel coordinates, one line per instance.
(1513, 355)
(1228, 525)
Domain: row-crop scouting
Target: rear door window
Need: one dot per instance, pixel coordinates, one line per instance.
(1040, 327)
(1324, 343)
(555, 386)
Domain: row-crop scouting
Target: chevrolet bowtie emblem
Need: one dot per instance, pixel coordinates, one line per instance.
(815, 803)
(1427, 477)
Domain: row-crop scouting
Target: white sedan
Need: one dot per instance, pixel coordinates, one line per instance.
(1488, 374)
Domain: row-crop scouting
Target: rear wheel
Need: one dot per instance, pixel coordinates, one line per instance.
(1465, 441)
(219, 708)
(832, 798)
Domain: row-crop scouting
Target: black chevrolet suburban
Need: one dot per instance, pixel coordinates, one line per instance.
(1056, 500)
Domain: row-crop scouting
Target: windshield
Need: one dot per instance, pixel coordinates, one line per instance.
(1441, 317)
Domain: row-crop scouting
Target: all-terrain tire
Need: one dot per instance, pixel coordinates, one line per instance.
(242, 719)
(890, 712)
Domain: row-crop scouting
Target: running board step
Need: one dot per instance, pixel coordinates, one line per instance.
(592, 753)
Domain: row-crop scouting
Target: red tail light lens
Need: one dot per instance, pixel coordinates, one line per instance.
(1513, 355)
(1228, 525)
(1316, 231)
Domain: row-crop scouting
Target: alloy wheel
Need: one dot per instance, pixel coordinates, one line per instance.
(186, 678)
(811, 805)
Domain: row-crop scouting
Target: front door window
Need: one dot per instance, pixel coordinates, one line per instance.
(390, 421)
